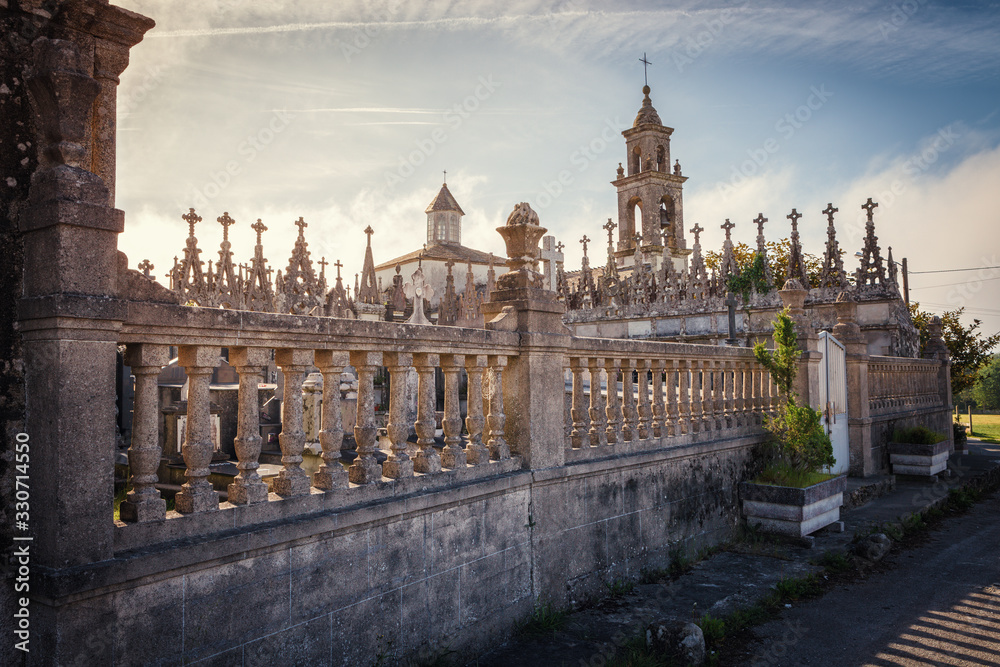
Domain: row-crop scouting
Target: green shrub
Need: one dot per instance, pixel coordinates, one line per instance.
(917, 435)
(713, 628)
(803, 444)
(780, 473)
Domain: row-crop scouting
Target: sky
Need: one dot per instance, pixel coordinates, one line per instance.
(348, 113)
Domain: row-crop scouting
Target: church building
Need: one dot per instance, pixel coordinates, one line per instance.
(443, 248)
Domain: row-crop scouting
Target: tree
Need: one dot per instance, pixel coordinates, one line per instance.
(968, 348)
(986, 391)
(777, 259)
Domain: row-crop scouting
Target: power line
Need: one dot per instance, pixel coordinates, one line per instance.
(967, 282)
(981, 268)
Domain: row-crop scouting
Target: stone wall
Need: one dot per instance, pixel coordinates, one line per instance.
(455, 569)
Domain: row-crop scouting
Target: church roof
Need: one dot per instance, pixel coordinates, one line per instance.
(443, 252)
(647, 114)
(444, 201)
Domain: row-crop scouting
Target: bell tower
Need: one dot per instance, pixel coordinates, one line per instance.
(444, 219)
(650, 192)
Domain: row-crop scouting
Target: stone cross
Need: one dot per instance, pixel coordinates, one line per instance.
(193, 218)
(869, 206)
(610, 227)
(552, 258)
(339, 266)
(586, 240)
(260, 228)
(728, 227)
(145, 266)
(697, 230)
(760, 220)
(638, 240)
(369, 231)
(560, 246)
(226, 223)
(731, 306)
(301, 224)
(645, 64)
(829, 211)
(794, 217)
(322, 266)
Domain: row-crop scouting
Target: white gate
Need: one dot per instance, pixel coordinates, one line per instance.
(833, 397)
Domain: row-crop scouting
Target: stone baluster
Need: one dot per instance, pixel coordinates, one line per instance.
(453, 454)
(143, 503)
(658, 411)
(630, 426)
(645, 412)
(773, 394)
(578, 404)
(697, 403)
(365, 468)
(613, 408)
(719, 394)
(427, 459)
(331, 475)
(729, 380)
(499, 449)
(707, 403)
(759, 402)
(398, 464)
(739, 389)
(292, 480)
(248, 488)
(685, 420)
(476, 453)
(673, 422)
(598, 417)
(197, 494)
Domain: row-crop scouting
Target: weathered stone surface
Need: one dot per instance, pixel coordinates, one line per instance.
(677, 640)
(873, 548)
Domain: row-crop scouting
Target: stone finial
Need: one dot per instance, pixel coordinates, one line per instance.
(935, 348)
(871, 270)
(847, 329)
(146, 266)
(299, 292)
(521, 235)
(585, 240)
(729, 266)
(796, 265)
(368, 292)
(621, 170)
(677, 167)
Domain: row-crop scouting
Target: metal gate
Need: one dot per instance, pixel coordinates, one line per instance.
(833, 397)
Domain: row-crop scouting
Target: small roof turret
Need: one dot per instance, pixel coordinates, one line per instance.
(444, 201)
(647, 114)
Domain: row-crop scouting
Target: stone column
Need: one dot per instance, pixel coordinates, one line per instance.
(331, 475)
(143, 503)
(427, 459)
(859, 421)
(497, 418)
(686, 419)
(673, 423)
(248, 488)
(534, 392)
(292, 480)
(398, 464)
(365, 468)
(579, 402)
(453, 454)
(598, 418)
(476, 453)
(312, 407)
(196, 494)
(659, 413)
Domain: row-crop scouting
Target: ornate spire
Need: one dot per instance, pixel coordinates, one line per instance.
(228, 290)
(796, 266)
(871, 271)
(833, 274)
(298, 292)
(189, 279)
(762, 248)
(470, 313)
(448, 307)
(368, 291)
(698, 283)
(729, 267)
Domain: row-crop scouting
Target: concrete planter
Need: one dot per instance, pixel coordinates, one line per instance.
(923, 460)
(791, 511)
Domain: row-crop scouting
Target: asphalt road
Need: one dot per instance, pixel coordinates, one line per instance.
(935, 604)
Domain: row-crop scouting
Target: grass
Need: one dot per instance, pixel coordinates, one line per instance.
(619, 587)
(917, 435)
(782, 475)
(544, 620)
(984, 427)
(714, 630)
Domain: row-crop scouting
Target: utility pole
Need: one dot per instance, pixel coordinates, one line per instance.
(906, 282)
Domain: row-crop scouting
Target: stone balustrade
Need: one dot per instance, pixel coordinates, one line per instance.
(299, 344)
(898, 384)
(630, 395)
